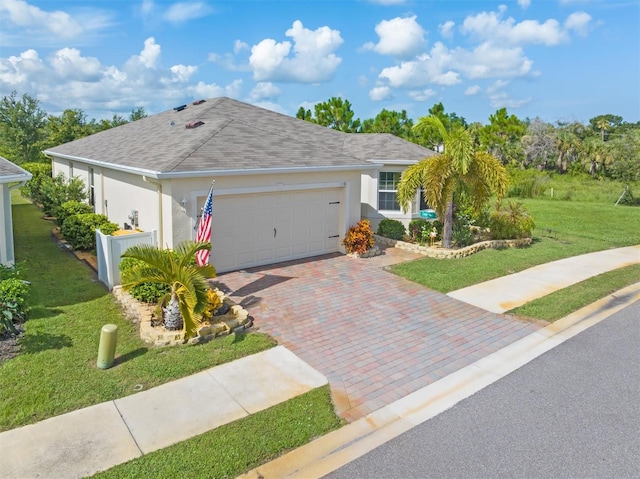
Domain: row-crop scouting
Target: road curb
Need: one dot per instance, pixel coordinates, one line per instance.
(339, 447)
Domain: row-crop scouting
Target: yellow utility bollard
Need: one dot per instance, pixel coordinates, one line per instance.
(107, 348)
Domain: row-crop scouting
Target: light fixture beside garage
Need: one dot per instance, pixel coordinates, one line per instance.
(184, 202)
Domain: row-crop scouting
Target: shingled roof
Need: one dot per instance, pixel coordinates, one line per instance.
(233, 137)
(9, 172)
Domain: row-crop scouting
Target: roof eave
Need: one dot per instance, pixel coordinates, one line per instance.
(16, 177)
(160, 175)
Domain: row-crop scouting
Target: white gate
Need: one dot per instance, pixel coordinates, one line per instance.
(109, 249)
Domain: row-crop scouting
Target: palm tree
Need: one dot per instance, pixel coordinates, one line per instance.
(187, 296)
(459, 168)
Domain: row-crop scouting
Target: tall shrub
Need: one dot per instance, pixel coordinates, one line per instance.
(80, 230)
(39, 173)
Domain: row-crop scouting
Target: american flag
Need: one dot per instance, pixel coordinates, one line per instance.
(204, 229)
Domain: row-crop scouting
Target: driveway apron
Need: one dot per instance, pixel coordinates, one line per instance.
(376, 336)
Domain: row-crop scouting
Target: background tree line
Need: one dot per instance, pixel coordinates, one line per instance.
(26, 129)
(607, 146)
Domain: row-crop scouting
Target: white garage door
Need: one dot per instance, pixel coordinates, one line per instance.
(258, 229)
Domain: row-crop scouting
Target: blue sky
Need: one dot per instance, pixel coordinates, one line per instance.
(561, 60)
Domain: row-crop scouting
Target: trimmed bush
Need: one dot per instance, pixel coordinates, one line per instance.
(393, 229)
(70, 208)
(130, 269)
(511, 222)
(359, 238)
(80, 230)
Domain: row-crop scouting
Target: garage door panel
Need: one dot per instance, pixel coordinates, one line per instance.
(303, 221)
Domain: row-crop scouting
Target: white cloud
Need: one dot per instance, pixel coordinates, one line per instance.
(264, 91)
(182, 73)
(472, 90)
(490, 61)
(502, 100)
(422, 95)
(18, 72)
(147, 7)
(446, 29)
(69, 64)
(490, 26)
(28, 16)
(313, 59)
(399, 37)
(497, 85)
(578, 22)
(380, 93)
(524, 3)
(149, 55)
(68, 79)
(20, 22)
(238, 46)
(211, 90)
(184, 11)
(432, 68)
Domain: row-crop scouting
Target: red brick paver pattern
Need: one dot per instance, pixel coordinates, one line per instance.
(377, 337)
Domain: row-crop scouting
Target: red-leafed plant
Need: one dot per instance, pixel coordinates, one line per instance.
(359, 238)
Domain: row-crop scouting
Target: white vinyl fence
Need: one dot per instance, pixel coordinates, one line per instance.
(109, 249)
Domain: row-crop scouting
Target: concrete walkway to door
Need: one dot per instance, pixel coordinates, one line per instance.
(377, 337)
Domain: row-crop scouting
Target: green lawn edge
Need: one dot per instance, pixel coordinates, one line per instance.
(240, 446)
(568, 300)
(56, 371)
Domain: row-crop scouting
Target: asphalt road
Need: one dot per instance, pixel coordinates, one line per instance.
(573, 412)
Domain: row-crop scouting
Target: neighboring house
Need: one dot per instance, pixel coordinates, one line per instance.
(284, 188)
(11, 176)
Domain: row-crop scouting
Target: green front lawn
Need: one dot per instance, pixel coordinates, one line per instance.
(563, 229)
(56, 371)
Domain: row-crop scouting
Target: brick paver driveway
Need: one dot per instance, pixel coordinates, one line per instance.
(377, 337)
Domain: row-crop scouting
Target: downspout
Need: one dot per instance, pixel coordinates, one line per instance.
(158, 186)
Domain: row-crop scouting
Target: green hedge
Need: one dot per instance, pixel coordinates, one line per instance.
(70, 208)
(393, 229)
(80, 230)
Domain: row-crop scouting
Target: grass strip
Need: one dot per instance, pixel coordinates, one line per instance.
(564, 229)
(565, 301)
(240, 446)
(56, 371)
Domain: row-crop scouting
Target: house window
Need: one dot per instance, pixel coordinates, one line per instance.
(387, 189)
(92, 191)
(423, 204)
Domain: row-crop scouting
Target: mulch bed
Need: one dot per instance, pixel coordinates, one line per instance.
(9, 345)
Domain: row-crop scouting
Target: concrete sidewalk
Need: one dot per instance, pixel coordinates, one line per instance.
(83, 442)
(503, 294)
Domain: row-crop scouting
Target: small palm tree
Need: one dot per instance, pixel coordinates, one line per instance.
(459, 168)
(187, 296)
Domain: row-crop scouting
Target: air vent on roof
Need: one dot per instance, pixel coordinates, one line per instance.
(180, 108)
(194, 124)
(199, 102)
